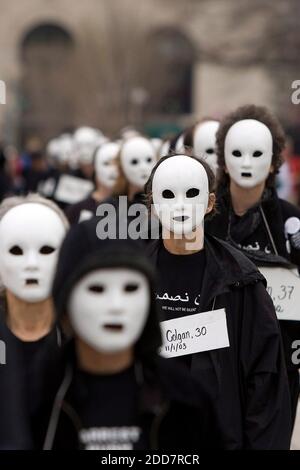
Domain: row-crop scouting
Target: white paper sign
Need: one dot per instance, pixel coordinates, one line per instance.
(283, 285)
(71, 189)
(85, 215)
(194, 333)
(47, 187)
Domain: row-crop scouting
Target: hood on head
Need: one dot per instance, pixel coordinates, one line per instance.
(82, 252)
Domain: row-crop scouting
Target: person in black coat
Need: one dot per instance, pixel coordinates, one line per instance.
(31, 231)
(240, 364)
(250, 215)
(115, 391)
(106, 174)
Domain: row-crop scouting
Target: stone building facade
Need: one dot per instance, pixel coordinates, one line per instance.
(232, 52)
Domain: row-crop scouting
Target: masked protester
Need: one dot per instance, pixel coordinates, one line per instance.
(220, 321)
(86, 140)
(252, 217)
(106, 170)
(136, 159)
(116, 393)
(31, 231)
(202, 139)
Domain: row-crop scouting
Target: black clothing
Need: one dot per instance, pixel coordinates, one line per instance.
(29, 366)
(163, 414)
(249, 233)
(109, 418)
(171, 412)
(94, 253)
(34, 180)
(247, 381)
(174, 299)
(74, 211)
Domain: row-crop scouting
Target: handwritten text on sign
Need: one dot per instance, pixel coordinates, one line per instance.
(283, 286)
(194, 333)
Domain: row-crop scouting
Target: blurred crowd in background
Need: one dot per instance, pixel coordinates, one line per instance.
(39, 168)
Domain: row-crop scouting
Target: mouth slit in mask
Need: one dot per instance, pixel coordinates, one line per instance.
(180, 194)
(181, 218)
(108, 308)
(30, 282)
(30, 235)
(114, 327)
(248, 152)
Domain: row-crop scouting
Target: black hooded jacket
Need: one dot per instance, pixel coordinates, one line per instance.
(247, 381)
(250, 229)
(168, 410)
(168, 401)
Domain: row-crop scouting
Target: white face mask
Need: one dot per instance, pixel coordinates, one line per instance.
(137, 160)
(180, 194)
(108, 308)
(105, 164)
(86, 140)
(248, 152)
(65, 148)
(205, 142)
(30, 237)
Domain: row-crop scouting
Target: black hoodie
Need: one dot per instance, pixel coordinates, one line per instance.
(168, 402)
(247, 381)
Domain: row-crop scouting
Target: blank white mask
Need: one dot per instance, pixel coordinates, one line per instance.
(105, 164)
(204, 142)
(108, 308)
(138, 157)
(248, 152)
(180, 193)
(30, 237)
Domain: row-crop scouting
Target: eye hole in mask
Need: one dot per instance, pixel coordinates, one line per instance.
(168, 194)
(96, 288)
(209, 151)
(134, 161)
(149, 160)
(47, 250)
(105, 163)
(16, 250)
(257, 153)
(131, 287)
(236, 153)
(193, 192)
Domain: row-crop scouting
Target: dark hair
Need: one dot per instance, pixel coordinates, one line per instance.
(259, 113)
(187, 153)
(190, 131)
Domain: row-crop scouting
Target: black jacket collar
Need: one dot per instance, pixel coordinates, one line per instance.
(225, 267)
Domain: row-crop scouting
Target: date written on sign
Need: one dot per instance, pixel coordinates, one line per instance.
(283, 286)
(194, 333)
(284, 293)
